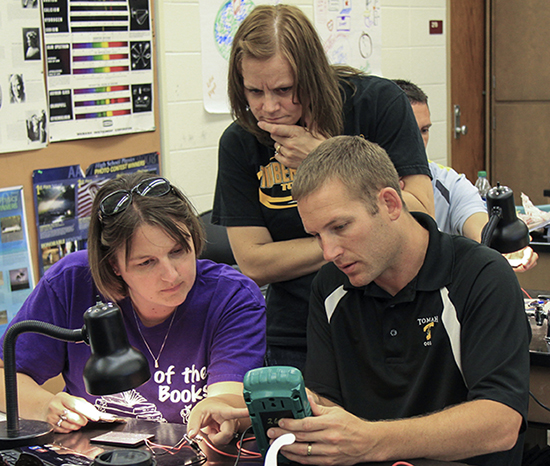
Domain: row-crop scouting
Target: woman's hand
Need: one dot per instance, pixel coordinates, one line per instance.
(293, 143)
(68, 413)
(217, 417)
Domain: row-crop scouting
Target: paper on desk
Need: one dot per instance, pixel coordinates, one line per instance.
(93, 414)
(533, 217)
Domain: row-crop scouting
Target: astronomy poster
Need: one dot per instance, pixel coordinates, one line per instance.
(63, 198)
(99, 62)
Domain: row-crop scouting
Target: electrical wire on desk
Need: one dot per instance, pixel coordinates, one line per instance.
(248, 455)
(185, 442)
(526, 294)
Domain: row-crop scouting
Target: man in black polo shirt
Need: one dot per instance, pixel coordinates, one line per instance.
(419, 337)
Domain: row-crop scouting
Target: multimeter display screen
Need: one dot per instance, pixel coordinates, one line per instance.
(271, 418)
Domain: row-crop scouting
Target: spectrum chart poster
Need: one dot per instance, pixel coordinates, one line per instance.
(99, 57)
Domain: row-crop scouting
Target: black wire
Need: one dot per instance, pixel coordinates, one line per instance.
(198, 460)
(240, 443)
(538, 402)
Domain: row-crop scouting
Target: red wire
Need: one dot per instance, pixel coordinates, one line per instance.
(402, 463)
(248, 455)
(526, 293)
(167, 448)
(255, 454)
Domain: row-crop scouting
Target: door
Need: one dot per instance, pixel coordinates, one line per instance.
(468, 84)
(520, 103)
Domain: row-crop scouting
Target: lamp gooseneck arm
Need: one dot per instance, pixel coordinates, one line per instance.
(489, 228)
(10, 373)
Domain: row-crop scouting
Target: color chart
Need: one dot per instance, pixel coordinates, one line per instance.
(100, 67)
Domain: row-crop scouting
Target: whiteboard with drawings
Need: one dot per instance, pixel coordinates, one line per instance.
(351, 31)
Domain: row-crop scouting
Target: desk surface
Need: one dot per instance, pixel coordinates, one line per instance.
(171, 434)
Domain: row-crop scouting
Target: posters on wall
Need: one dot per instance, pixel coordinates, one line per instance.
(23, 120)
(99, 61)
(63, 198)
(220, 20)
(351, 33)
(16, 273)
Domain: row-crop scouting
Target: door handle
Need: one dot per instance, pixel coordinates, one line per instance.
(459, 129)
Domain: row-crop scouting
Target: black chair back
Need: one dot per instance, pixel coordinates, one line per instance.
(217, 247)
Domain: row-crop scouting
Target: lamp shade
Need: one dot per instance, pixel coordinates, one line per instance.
(504, 232)
(114, 365)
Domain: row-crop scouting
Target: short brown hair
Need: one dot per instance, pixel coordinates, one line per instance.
(112, 233)
(285, 29)
(362, 166)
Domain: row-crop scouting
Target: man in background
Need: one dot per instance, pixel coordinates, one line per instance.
(459, 209)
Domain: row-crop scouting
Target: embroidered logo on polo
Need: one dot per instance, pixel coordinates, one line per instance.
(427, 324)
(276, 185)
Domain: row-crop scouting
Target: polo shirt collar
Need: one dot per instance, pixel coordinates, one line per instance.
(434, 274)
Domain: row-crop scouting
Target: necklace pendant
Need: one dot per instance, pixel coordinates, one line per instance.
(156, 364)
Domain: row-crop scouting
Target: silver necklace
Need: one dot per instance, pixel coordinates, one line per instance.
(145, 341)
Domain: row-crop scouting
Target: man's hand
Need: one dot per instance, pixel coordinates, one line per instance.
(217, 417)
(293, 143)
(331, 436)
(523, 260)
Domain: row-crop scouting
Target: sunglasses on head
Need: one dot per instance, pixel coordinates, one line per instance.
(118, 201)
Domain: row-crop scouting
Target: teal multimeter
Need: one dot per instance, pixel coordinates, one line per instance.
(273, 393)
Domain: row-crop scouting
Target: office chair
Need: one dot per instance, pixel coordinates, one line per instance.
(217, 247)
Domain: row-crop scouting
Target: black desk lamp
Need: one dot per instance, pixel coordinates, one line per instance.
(504, 231)
(114, 366)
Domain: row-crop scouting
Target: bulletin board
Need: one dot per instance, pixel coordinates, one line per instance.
(16, 168)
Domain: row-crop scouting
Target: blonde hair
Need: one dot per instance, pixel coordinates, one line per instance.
(285, 29)
(362, 166)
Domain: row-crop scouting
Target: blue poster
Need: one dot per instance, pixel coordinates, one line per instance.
(16, 272)
(63, 199)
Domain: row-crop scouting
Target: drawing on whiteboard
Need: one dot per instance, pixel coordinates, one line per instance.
(229, 16)
(372, 13)
(211, 85)
(365, 45)
(350, 31)
(338, 49)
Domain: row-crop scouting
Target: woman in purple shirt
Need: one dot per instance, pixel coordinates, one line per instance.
(201, 325)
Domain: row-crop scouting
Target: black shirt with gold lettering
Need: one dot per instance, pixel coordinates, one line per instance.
(254, 189)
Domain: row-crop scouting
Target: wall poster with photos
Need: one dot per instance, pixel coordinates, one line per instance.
(23, 121)
(16, 273)
(63, 198)
(99, 59)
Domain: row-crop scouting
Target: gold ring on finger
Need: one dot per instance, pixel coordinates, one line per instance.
(309, 449)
